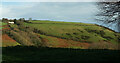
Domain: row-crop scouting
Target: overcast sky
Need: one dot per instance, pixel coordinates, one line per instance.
(67, 11)
(49, 0)
(60, 0)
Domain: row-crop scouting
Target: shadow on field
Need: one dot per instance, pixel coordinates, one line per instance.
(40, 54)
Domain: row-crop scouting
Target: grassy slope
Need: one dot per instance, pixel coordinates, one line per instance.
(50, 41)
(2, 24)
(6, 40)
(70, 34)
(75, 31)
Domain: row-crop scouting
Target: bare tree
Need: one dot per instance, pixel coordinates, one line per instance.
(109, 14)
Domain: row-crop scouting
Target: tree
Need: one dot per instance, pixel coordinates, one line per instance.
(30, 19)
(22, 19)
(4, 20)
(15, 20)
(109, 14)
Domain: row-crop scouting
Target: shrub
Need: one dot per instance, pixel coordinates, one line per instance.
(100, 32)
(35, 39)
(107, 37)
(85, 37)
(67, 33)
(38, 31)
(75, 33)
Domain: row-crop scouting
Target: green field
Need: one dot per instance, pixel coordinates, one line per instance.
(75, 31)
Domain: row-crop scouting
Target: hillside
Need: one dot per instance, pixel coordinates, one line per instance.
(38, 41)
(62, 34)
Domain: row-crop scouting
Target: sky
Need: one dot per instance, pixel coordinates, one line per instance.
(57, 11)
(60, 0)
(48, 0)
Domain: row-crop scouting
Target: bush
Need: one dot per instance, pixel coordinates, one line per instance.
(85, 37)
(107, 37)
(100, 32)
(18, 22)
(75, 33)
(67, 33)
(38, 31)
(35, 39)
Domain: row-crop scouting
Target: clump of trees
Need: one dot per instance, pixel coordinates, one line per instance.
(4, 20)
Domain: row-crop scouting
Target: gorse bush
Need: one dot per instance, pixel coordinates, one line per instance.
(85, 37)
(100, 32)
(108, 37)
(39, 31)
(35, 39)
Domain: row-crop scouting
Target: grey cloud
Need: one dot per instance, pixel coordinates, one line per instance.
(76, 11)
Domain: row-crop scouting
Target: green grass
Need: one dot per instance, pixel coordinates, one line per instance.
(1, 24)
(7, 44)
(75, 31)
(14, 25)
(4, 23)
